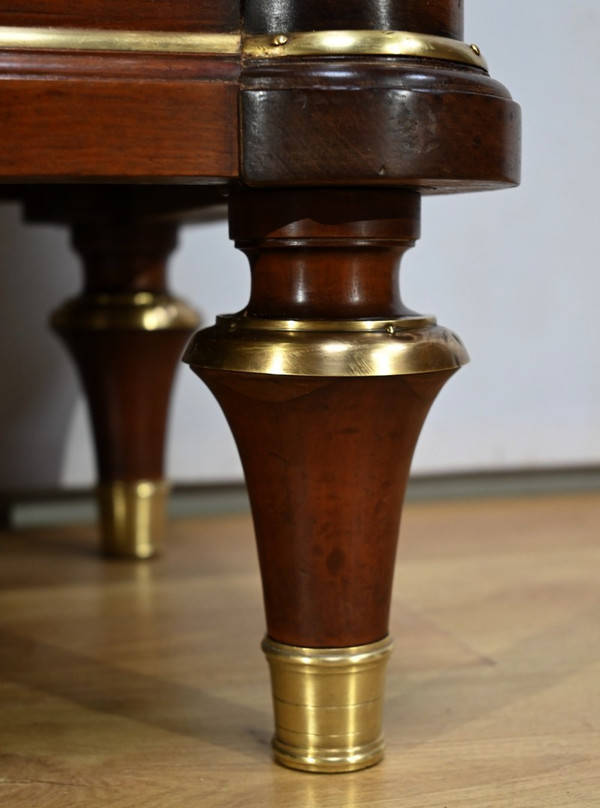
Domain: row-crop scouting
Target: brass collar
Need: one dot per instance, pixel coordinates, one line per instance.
(407, 345)
(363, 43)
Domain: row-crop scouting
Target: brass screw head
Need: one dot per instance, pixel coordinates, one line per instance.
(280, 39)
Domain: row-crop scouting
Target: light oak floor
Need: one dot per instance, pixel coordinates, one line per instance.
(127, 684)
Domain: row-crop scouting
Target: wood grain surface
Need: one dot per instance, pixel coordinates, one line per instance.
(375, 122)
(125, 684)
(166, 15)
(58, 128)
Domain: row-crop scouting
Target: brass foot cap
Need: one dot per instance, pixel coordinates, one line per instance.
(328, 705)
(329, 761)
(132, 517)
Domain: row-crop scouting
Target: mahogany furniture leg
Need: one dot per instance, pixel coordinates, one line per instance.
(126, 334)
(348, 113)
(325, 379)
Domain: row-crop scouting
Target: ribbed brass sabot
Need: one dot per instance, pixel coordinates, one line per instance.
(328, 705)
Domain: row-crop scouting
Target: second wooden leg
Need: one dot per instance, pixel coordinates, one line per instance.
(126, 333)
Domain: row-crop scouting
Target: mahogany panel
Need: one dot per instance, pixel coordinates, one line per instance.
(58, 64)
(118, 129)
(164, 15)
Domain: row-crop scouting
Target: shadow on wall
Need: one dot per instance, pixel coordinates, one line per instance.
(39, 388)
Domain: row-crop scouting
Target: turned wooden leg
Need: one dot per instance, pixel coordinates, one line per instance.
(325, 379)
(126, 334)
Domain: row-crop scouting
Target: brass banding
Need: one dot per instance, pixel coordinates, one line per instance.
(330, 657)
(135, 311)
(406, 345)
(234, 321)
(268, 46)
(93, 39)
(363, 43)
(132, 517)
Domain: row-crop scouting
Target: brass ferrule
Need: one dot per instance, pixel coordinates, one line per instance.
(328, 705)
(133, 517)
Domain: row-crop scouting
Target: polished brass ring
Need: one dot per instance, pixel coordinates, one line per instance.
(133, 517)
(328, 705)
(363, 43)
(135, 311)
(392, 347)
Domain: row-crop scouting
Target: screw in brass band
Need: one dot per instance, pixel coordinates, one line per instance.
(132, 517)
(328, 705)
(370, 42)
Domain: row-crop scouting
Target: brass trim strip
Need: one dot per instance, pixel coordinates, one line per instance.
(270, 46)
(89, 39)
(363, 43)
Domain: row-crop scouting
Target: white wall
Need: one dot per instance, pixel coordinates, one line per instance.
(514, 273)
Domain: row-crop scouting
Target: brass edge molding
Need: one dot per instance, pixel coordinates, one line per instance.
(268, 46)
(363, 43)
(405, 346)
(90, 39)
(235, 321)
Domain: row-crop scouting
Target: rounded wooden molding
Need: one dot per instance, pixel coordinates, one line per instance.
(396, 122)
